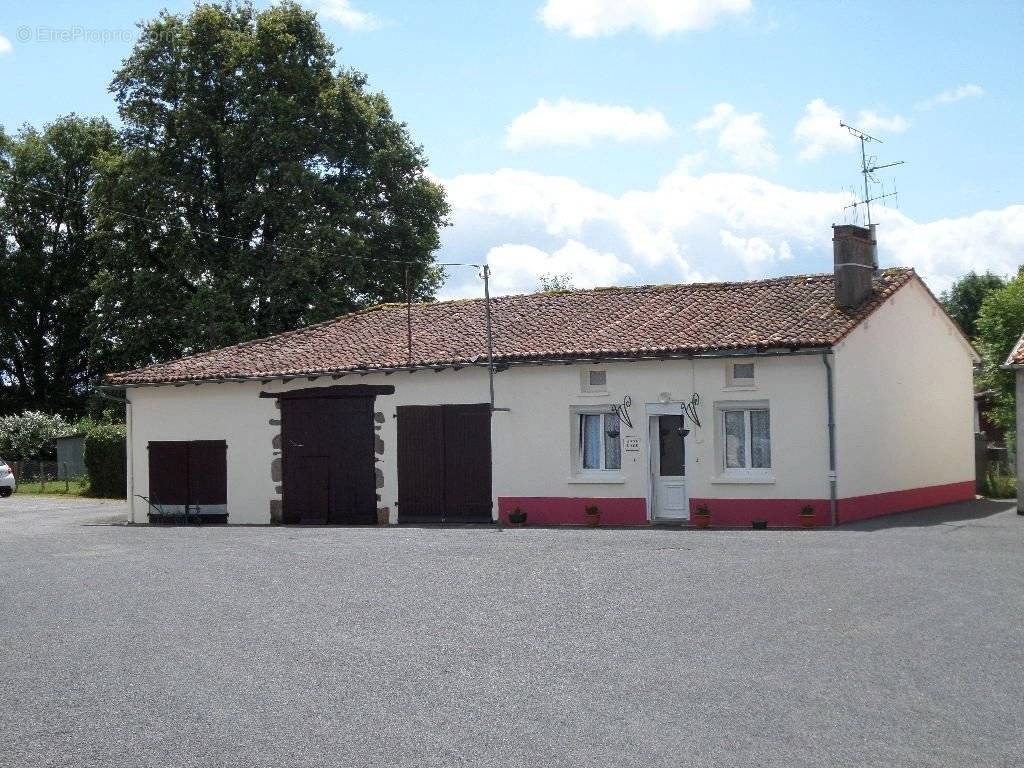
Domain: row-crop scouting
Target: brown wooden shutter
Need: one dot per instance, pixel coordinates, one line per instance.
(420, 464)
(467, 457)
(207, 472)
(168, 473)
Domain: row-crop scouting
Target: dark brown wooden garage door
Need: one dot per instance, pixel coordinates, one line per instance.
(192, 474)
(328, 460)
(444, 463)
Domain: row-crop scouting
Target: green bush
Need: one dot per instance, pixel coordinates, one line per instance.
(105, 461)
(999, 485)
(30, 435)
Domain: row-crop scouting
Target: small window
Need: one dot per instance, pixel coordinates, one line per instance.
(747, 438)
(594, 381)
(600, 442)
(740, 375)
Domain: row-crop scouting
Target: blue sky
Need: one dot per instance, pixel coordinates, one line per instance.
(630, 141)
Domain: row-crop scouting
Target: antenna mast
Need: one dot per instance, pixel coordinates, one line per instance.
(868, 166)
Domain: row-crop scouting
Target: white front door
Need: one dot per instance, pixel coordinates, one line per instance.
(668, 467)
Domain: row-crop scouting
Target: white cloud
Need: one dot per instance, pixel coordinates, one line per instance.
(5, 45)
(518, 268)
(869, 121)
(755, 253)
(343, 12)
(741, 136)
(691, 227)
(945, 249)
(820, 133)
(961, 92)
(598, 18)
(580, 124)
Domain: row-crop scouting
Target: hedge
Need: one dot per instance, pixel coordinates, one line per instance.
(106, 462)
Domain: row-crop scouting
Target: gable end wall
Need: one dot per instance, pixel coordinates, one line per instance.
(904, 409)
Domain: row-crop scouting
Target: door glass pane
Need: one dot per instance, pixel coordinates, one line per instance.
(590, 436)
(671, 451)
(760, 440)
(735, 440)
(612, 445)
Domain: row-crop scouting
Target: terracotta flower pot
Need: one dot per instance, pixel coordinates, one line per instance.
(701, 521)
(807, 521)
(593, 519)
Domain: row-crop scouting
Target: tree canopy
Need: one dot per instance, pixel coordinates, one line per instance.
(1000, 324)
(963, 300)
(48, 262)
(264, 188)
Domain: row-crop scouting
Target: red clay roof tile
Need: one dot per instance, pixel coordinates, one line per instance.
(642, 321)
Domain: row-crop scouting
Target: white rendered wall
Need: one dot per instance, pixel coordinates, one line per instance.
(904, 399)
(532, 442)
(231, 412)
(1019, 378)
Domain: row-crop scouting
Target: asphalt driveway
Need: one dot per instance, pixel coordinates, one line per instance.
(892, 643)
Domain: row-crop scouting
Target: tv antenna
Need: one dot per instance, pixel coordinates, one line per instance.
(868, 166)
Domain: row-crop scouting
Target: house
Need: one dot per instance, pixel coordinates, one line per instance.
(849, 392)
(1015, 363)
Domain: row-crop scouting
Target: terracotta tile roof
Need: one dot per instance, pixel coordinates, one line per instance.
(642, 321)
(1016, 354)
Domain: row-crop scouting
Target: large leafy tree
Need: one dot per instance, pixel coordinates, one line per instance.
(1000, 324)
(964, 298)
(48, 262)
(260, 188)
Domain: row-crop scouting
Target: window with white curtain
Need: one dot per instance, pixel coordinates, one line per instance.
(600, 446)
(746, 438)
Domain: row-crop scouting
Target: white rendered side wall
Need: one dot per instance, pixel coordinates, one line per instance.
(1020, 432)
(231, 412)
(904, 400)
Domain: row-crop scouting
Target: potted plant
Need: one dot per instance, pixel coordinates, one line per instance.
(517, 518)
(807, 516)
(702, 516)
(383, 516)
(593, 515)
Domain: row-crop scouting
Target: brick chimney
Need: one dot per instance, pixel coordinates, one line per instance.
(854, 249)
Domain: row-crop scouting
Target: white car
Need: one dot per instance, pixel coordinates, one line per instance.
(7, 483)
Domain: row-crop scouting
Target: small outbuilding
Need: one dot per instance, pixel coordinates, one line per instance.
(847, 394)
(70, 456)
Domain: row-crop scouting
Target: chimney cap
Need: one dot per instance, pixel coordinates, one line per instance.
(853, 230)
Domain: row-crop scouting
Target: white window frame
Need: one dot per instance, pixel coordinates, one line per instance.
(587, 474)
(593, 389)
(731, 382)
(745, 473)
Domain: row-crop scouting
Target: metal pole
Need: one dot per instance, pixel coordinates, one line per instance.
(408, 316)
(864, 169)
(490, 337)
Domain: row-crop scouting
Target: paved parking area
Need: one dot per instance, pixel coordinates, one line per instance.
(893, 643)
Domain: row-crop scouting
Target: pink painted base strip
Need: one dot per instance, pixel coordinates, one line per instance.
(786, 512)
(877, 504)
(556, 510)
(780, 513)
